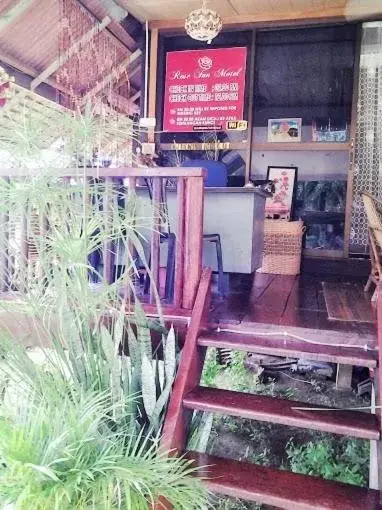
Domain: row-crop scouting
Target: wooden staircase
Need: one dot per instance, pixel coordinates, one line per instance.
(252, 482)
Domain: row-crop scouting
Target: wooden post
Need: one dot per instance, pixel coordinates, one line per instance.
(108, 259)
(353, 130)
(179, 251)
(155, 237)
(378, 382)
(152, 92)
(23, 258)
(344, 377)
(130, 255)
(4, 245)
(251, 92)
(153, 73)
(193, 244)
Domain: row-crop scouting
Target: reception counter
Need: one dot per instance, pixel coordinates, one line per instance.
(237, 214)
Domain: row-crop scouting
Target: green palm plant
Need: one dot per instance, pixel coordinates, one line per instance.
(96, 341)
(63, 452)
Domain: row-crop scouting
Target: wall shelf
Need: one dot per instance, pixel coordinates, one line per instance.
(301, 146)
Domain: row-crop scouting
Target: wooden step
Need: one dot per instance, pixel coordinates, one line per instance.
(275, 410)
(281, 489)
(283, 346)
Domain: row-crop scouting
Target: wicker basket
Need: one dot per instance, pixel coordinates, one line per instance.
(282, 247)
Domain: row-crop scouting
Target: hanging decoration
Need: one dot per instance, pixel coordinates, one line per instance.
(203, 24)
(97, 81)
(92, 61)
(5, 87)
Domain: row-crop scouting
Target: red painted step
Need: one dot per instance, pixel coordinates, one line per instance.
(275, 410)
(281, 346)
(281, 489)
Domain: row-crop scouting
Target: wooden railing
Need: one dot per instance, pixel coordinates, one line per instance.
(189, 371)
(188, 230)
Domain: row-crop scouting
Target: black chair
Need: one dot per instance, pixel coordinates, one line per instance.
(215, 238)
(169, 237)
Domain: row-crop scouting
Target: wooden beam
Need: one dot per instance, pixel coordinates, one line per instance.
(60, 61)
(111, 76)
(138, 12)
(355, 12)
(16, 10)
(100, 8)
(124, 78)
(125, 172)
(30, 72)
(122, 104)
(135, 96)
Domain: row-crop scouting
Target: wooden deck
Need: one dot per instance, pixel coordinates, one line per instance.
(296, 301)
(280, 300)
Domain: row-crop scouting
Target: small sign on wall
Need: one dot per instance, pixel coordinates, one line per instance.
(237, 125)
(221, 146)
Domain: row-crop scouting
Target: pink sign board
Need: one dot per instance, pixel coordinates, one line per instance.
(204, 89)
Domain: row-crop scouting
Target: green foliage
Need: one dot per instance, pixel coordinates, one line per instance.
(235, 504)
(85, 328)
(110, 458)
(345, 460)
(65, 451)
(233, 374)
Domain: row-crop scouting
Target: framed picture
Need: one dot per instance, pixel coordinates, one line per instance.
(284, 130)
(280, 205)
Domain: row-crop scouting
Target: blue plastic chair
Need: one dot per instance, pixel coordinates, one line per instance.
(216, 171)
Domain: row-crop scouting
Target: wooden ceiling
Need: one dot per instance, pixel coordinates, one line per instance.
(29, 43)
(178, 9)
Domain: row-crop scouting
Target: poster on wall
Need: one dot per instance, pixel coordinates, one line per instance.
(279, 205)
(204, 89)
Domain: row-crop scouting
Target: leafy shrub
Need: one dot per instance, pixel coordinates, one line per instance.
(66, 452)
(68, 447)
(344, 460)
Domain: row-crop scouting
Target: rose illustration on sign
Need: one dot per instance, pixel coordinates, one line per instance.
(205, 63)
(281, 190)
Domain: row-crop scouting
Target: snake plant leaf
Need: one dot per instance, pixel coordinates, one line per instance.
(169, 354)
(148, 386)
(204, 432)
(143, 332)
(119, 329)
(158, 378)
(134, 350)
(159, 408)
(107, 345)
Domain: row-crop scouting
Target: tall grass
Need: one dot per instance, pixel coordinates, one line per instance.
(81, 431)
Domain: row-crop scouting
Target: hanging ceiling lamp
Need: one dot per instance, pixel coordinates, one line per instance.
(203, 24)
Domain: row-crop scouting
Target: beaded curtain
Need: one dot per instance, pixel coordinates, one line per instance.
(90, 64)
(368, 142)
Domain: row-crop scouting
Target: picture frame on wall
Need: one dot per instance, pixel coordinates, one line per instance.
(280, 204)
(284, 130)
